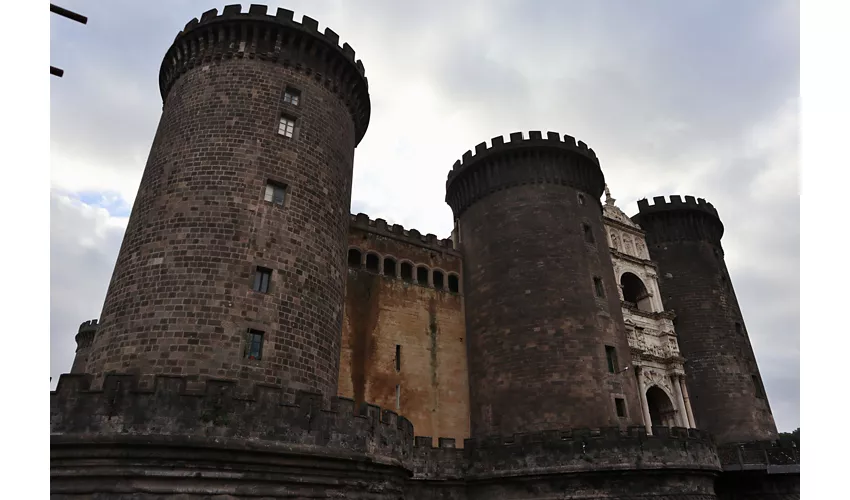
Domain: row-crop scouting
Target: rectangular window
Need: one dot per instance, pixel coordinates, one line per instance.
(254, 349)
(291, 96)
(275, 193)
(621, 407)
(598, 287)
(398, 397)
(611, 356)
(588, 234)
(580, 199)
(739, 329)
(287, 126)
(262, 278)
(397, 358)
(759, 387)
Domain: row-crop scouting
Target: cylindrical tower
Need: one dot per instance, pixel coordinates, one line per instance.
(84, 338)
(726, 390)
(546, 342)
(233, 262)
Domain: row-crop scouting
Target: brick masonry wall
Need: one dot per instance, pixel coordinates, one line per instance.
(536, 330)
(180, 300)
(720, 366)
(382, 312)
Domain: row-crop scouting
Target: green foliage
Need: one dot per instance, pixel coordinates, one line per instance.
(790, 436)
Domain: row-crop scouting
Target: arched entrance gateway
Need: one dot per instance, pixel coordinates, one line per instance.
(661, 409)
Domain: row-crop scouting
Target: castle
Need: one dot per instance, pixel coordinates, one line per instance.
(253, 330)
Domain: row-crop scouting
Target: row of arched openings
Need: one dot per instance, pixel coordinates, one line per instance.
(405, 270)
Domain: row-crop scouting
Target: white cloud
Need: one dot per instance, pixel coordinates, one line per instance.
(84, 242)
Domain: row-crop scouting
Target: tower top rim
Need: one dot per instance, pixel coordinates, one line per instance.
(276, 38)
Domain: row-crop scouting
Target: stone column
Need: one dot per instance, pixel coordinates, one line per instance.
(681, 412)
(644, 406)
(687, 402)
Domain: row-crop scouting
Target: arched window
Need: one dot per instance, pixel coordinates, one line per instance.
(373, 262)
(407, 271)
(389, 267)
(422, 275)
(438, 280)
(454, 284)
(634, 292)
(354, 258)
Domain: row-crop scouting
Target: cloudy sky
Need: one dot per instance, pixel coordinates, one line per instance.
(696, 97)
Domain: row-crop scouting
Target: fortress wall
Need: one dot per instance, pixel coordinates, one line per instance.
(382, 312)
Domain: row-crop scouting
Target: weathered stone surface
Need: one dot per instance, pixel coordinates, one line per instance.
(420, 322)
(536, 328)
(181, 301)
(218, 441)
(512, 292)
(723, 378)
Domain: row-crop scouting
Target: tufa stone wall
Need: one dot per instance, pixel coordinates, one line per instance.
(386, 315)
(723, 378)
(181, 299)
(610, 463)
(534, 243)
(121, 442)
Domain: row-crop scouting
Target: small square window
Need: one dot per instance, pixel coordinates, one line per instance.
(287, 126)
(262, 278)
(599, 288)
(611, 355)
(292, 96)
(621, 407)
(275, 193)
(588, 234)
(254, 349)
(739, 329)
(581, 199)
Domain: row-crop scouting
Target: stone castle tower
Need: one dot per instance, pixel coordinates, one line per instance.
(684, 239)
(251, 322)
(540, 308)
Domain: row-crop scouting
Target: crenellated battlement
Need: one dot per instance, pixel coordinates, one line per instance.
(612, 435)
(693, 219)
(660, 204)
(86, 333)
(256, 34)
(219, 412)
(397, 231)
(517, 140)
(88, 325)
(578, 450)
(565, 452)
(520, 160)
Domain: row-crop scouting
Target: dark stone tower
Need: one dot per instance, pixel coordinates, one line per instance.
(181, 300)
(541, 297)
(84, 338)
(727, 393)
(250, 168)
